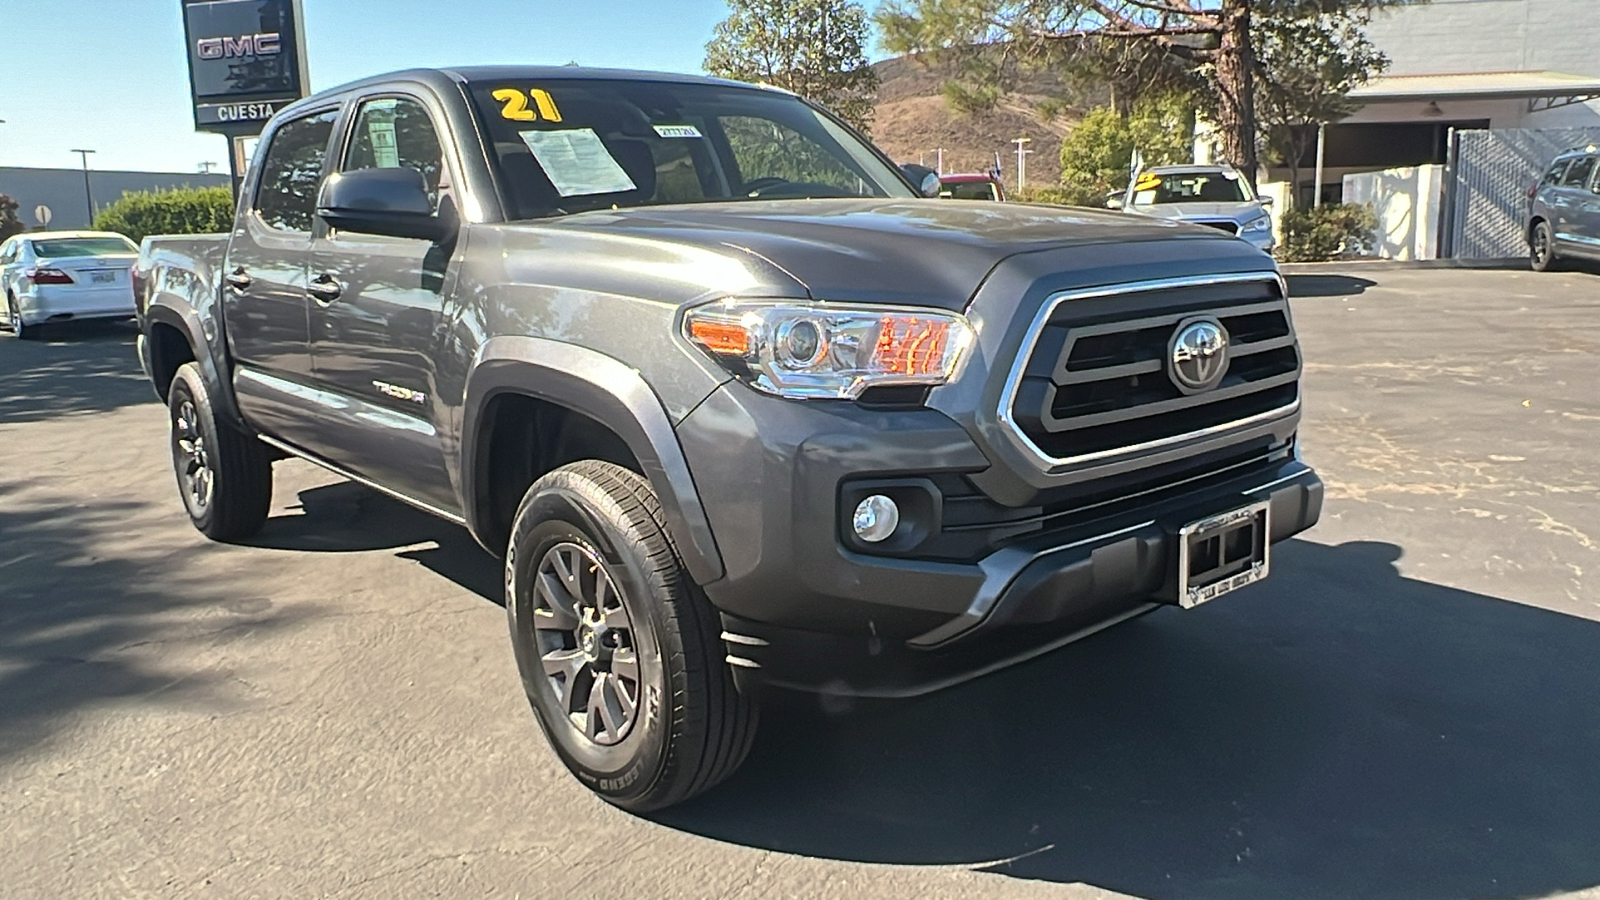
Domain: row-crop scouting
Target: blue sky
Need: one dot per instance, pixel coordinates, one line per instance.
(110, 75)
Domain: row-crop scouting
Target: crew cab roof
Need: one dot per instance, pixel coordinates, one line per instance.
(444, 78)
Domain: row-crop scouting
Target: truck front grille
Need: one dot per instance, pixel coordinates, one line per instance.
(1096, 382)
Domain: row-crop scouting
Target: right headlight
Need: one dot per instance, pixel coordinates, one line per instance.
(1262, 223)
(827, 350)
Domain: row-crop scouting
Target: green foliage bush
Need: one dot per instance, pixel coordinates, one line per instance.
(1097, 156)
(10, 224)
(1047, 194)
(1328, 232)
(140, 214)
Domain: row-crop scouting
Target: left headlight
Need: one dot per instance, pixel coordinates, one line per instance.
(1264, 223)
(827, 350)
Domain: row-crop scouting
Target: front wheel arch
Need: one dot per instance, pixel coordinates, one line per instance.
(598, 388)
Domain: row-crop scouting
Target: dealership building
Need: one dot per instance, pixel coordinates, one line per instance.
(1478, 97)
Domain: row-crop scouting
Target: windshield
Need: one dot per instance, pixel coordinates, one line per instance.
(572, 146)
(97, 246)
(1189, 187)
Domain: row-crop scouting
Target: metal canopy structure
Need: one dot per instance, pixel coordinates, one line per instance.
(1541, 89)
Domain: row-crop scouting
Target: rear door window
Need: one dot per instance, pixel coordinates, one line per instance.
(1556, 171)
(1578, 173)
(291, 172)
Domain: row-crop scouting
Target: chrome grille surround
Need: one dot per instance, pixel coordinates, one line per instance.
(1008, 396)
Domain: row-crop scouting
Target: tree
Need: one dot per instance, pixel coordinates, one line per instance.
(1216, 38)
(187, 210)
(1307, 68)
(1097, 157)
(10, 223)
(815, 48)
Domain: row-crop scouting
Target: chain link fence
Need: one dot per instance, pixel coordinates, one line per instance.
(1489, 194)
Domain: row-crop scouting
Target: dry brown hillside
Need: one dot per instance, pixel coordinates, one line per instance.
(913, 121)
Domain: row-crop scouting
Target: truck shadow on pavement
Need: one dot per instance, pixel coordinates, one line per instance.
(89, 622)
(81, 368)
(345, 517)
(1327, 285)
(1340, 731)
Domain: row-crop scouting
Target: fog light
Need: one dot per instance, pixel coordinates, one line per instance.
(876, 518)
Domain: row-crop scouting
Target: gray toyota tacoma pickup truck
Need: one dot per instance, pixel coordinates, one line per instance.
(735, 402)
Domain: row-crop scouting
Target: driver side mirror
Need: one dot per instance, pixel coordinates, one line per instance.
(1266, 202)
(926, 179)
(390, 202)
(1114, 201)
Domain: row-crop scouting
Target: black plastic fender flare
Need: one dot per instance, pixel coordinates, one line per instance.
(187, 321)
(611, 393)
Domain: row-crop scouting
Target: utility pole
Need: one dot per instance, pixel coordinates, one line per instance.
(939, 165)
(206, 167)
(88, 192)
(1022, 161)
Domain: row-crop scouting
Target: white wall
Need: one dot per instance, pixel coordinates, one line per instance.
(1408, 203)
(1451, 36)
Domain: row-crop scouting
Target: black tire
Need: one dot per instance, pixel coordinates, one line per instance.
(20, 331)
(1542, 248)
(224, 475)
(690, 727)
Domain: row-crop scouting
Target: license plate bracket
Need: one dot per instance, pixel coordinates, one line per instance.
(1220, 554)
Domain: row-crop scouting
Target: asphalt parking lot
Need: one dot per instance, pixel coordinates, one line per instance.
(1407, 708)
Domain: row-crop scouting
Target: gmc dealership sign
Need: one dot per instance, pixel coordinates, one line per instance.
(246, 61)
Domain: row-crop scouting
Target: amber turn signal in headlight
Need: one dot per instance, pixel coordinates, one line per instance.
(826, 350)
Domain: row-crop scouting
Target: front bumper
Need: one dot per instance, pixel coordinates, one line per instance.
(804, 610)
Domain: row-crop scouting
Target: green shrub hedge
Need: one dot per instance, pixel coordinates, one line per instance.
(1327, 232)
(138, 214)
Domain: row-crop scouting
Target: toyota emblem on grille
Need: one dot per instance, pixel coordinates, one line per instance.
(1199, 355)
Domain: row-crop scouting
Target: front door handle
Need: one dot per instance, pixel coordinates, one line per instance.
(239, 279)
(325, 288)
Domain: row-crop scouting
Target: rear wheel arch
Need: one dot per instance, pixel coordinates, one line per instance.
(170, 348)
(599, 407)
(179, 333)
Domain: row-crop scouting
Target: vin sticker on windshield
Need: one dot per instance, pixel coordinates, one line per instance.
(678, 131)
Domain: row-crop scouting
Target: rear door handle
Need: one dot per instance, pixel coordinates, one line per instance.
(239, 279)
(325, 288)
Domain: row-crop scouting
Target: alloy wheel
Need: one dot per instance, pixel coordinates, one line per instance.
(585, 639)
(1541, 246)
(194, 459)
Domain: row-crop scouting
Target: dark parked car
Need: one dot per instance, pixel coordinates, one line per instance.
(736, 404)
(1564, 210)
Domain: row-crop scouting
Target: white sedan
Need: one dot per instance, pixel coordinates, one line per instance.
(67, 275)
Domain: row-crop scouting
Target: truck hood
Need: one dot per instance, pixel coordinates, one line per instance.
(922, 252)
(1234, 212)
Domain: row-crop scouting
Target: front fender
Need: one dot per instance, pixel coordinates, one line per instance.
(612, 394)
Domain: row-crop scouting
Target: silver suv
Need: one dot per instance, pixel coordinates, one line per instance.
(1564, 210)
(1217, 196)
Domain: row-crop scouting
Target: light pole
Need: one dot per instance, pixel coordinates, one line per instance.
(1022, 161)
(88, 192)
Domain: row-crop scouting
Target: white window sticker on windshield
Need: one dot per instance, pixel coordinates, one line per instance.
(678, 131)
(577, 162)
